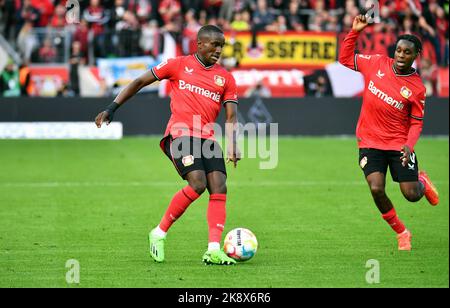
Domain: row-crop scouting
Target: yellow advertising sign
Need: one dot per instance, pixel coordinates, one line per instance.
(287, 50)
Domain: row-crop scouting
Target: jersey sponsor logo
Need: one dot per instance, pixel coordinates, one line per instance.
(188, 160)
(183, 85)
(188, 70)
(405, 92)
(161, 64)
(365, 57)
(380, 74)
(384, 97)
(219, 80)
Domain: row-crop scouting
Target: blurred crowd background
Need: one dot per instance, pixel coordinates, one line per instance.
(38, 33)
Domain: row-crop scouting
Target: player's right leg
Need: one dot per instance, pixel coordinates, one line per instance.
(414, 184)
(376, 182)
(190, 169)
(374, 164)
(216, 175)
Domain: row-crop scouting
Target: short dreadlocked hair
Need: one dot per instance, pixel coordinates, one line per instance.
(413, 39)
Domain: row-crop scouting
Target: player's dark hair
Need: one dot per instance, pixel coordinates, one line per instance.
(413, 39)
(208, 30)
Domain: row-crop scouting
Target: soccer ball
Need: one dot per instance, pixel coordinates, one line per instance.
(240, 244)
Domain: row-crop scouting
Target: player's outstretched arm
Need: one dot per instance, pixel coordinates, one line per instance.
(129, 91)
(347, 50)
(360, 23)
(231, 131)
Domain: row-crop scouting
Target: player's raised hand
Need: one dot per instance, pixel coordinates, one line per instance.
(360, 22)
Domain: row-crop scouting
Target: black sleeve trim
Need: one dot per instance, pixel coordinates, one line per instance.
(153, 72)
(417, 118)
(354, 62)
(230, 101)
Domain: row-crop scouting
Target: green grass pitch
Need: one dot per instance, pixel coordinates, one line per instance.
(316, 223)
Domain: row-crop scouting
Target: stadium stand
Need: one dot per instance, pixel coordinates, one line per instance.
(39, 31)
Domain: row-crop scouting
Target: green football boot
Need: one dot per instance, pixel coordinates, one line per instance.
(156, 246)
(217, 257)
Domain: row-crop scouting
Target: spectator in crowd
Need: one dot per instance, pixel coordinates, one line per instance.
(45, 8)
(226, 13)
(262, 17)
(65, 91)
(27, 41)
(47, 53)
(442, 31)
(293, 17)
(97, 17)
(149, 40)
(81, 35)
(196, 5)
(278, 6)
(77, 59)
(258, 90)
(241, 21)
(58, 19)
(170, 11)
(144, 11)
(213, 8)
(27, 14)
(128, 33)
(318, 84)
(26, 85)
(190, 30)
(429, 75)
(7, 14)
(278, 25)
(244, 5)
(9, 80)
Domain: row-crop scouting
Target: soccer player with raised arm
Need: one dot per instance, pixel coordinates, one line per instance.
(199, 88)
(390, 123)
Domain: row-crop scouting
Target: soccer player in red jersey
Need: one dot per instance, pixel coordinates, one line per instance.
(390, 123)
(199, 88)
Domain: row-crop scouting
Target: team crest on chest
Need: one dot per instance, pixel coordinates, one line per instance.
(219, 80)
(405, 92)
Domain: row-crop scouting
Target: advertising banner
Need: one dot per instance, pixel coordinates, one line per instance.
(48, 80)
(119, 72)
(286, 50)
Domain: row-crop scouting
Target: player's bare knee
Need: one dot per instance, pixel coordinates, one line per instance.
(199, 186)
(412, 195)
(377, 191)
(218, 189)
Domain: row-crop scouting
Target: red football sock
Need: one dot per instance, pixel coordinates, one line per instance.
(395, 223)
(180, 202)
(216, 216)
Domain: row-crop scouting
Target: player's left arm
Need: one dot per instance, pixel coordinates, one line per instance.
(129, 91)
(230, 103)
(231, 132)
(415, 126)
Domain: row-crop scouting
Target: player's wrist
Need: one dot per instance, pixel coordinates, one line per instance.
(111, 108)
